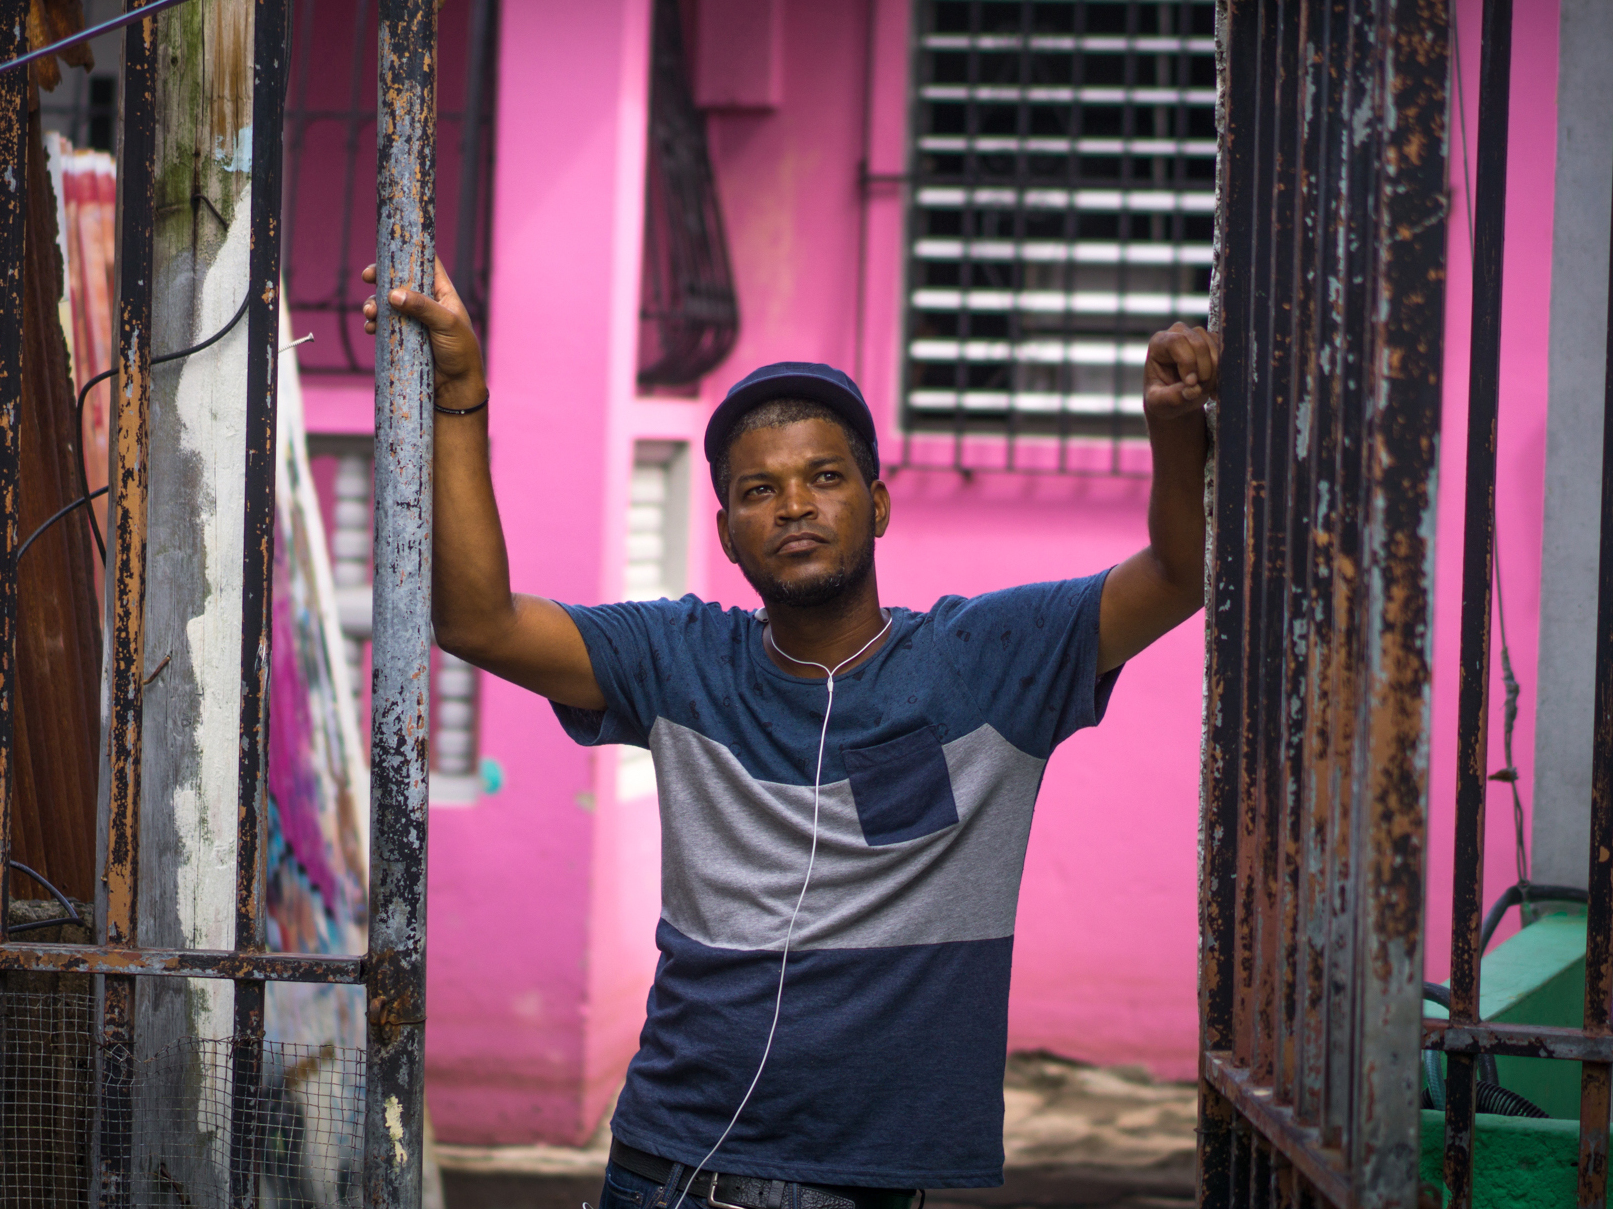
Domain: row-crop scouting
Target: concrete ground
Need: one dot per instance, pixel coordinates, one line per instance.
(1073, 1135)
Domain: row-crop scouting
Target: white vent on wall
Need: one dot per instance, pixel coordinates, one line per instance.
(657, 521)
(657, 562)
(455, 771)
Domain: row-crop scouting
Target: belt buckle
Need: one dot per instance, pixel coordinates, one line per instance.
(711, 1195)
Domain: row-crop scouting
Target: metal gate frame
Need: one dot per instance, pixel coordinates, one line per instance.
(1330, 280)
(393, 970)
(1331, 223)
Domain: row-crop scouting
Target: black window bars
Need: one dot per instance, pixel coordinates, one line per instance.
(330, 144)
(392, 971)
(1061, 210)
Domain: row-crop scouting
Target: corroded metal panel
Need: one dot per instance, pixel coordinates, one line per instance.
(1331, 261)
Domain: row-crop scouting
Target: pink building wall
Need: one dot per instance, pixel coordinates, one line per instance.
(544, 895)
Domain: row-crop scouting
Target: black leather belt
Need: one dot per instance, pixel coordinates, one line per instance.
(752, 1192)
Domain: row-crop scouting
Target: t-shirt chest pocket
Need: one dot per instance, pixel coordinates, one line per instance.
(901, 787)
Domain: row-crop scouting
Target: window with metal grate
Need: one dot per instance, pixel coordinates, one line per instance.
(656, 564)
(329, 211)
(1062, 209)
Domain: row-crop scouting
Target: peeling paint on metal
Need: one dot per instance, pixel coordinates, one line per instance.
(394, 1129)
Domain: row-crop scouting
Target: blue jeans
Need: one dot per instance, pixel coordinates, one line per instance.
(625, 1190)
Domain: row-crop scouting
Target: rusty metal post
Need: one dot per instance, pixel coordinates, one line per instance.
(13, 213)
(1315, 513)
(270, 67)
(1478, 562)
(1351, 266)
(126, 598)
(1404, 379)
(400, 710)
(1596, 1078)
(1225, 613)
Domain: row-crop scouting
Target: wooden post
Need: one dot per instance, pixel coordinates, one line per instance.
(197, 474)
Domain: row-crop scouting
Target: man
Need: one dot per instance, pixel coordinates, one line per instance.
(846, 789)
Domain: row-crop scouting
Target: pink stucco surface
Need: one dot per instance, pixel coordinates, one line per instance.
(1521, 442)
(544, 895)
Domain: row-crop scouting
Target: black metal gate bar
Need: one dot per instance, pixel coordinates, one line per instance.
(13, 216)
(1478, 560)
(1255, 857)
(269, 70)
(1225, 620)
(126, 599)
(1292, 297)
(400, 714)
(1311, 608)
(1596, 1078)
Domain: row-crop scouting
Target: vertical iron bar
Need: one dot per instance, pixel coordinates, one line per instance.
(1251, 1007)
(1286, 629)
(270, 52)
(470, 153)
(1313, 522)
(1351, 269)
(1596, 1078)
(400, 713)
(1225, 614)
(1406, 332)
(13, 215)
(1277, 647)
(126, 596)
(1478, 556)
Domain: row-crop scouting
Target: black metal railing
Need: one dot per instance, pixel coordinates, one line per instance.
(1331, 230)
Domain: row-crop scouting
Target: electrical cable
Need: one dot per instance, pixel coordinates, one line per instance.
(1525, 892)
(95, 31)
(83, 470)
(56, 516)
(812, 857)
(72, 916)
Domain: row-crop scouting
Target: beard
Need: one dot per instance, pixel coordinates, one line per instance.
(825, 588)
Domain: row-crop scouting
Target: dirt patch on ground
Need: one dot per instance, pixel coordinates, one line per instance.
(1073, 1135)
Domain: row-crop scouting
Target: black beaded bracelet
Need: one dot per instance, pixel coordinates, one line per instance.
(463, 411)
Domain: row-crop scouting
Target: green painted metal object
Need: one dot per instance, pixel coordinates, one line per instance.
(1518, 1162)
(1536, 977)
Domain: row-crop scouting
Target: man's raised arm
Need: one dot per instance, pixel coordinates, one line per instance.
(1161, 586)
(525, 639)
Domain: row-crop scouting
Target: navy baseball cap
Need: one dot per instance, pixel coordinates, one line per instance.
(790, 380)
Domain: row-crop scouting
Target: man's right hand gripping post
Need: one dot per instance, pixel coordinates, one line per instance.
(525, 639)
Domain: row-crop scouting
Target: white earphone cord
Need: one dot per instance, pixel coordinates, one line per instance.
(789, 935)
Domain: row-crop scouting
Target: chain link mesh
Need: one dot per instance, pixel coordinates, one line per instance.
(303, 1126)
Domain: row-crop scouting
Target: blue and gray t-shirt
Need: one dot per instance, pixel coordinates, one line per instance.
(888, 1064)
